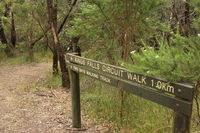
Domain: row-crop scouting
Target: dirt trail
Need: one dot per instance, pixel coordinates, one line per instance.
(39, 110)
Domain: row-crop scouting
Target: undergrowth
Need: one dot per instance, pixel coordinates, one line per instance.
(102, 102)
(48, 82)
(139, 115)
(52, 81)
(23, 58)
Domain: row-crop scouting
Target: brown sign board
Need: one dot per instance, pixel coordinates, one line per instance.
(180, 90)
(172, 102)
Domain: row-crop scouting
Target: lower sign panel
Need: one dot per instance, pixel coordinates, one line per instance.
(174, 103)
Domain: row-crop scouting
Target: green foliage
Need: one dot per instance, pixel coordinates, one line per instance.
(102, 23)
(91, 25)
(2, 47)
(41, 56)
(2, 54)
(86, 23)
(179, 62)
(196, 19)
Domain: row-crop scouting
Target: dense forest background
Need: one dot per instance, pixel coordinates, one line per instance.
(152, 37)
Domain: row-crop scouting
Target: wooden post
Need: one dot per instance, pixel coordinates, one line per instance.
(181, 123)
(75, 92)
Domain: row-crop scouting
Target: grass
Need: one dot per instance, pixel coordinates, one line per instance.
(139, 115)
(23, 58)
(103, 103)
(49, 82)
(52, 81)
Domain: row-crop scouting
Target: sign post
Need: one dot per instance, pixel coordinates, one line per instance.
(75, 95)
(176, 96)
(181, 123)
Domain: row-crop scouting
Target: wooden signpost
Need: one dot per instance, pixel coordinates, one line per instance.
(176, 96)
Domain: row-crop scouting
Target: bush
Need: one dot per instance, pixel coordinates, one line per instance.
(179, 61)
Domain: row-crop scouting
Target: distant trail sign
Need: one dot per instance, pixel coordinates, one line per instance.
(176, 96)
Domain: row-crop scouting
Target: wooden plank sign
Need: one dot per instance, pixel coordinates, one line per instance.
(180, 90)
(160, 98)
(176, 96)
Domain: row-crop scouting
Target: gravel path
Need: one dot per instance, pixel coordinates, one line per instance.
(26, 109)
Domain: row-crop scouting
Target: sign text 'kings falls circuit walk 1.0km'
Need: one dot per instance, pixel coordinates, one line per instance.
(176, 96)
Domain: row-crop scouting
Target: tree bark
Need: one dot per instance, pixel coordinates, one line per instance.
(55, 62)
(52, 12)
(3, 38)
(180, 16)
(13, 31)
(2, 34)
(53, 22)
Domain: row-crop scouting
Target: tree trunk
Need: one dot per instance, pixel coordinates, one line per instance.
(13, 32)
(2, 34)
(30, 49)
(55, 62)
(125, 39)
(180, 16)
(3, 40)
(61, 26)
(52, 12)
(187, 23)
(53, 21)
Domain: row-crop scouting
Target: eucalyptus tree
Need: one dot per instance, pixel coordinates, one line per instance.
(52, 7)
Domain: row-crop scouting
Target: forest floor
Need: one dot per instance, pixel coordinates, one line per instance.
(28, 109)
